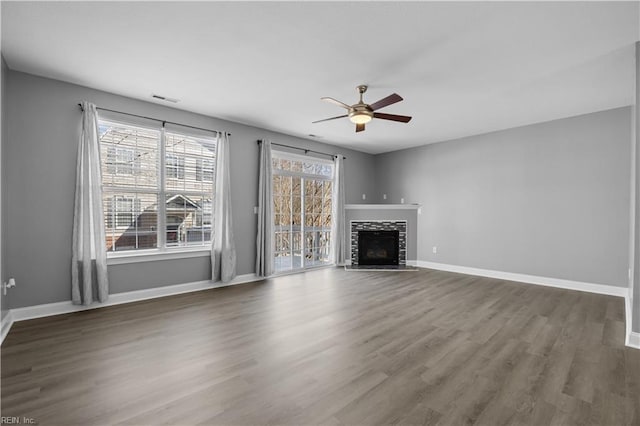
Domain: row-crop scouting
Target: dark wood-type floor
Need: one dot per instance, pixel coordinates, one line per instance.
(332, 347)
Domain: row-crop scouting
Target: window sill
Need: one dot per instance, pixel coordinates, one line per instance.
(155, 255)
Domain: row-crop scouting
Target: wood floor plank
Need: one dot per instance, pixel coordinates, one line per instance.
(332, 347)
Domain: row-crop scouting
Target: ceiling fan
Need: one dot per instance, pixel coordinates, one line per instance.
(361, 113)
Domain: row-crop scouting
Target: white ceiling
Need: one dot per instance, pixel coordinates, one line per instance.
(462, 68)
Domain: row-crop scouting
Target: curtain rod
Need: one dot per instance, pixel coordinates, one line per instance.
(156, 119)
(302, 149)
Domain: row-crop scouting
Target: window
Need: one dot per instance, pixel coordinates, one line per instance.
(204, 170)
(302, 201)
(121, 161)
(207, 213)
(157, 187)
(124, 211)
(174, 166)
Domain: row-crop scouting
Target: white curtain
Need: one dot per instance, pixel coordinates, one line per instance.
(89, 279)
(264, 240)
(223, 248)
(338, 226)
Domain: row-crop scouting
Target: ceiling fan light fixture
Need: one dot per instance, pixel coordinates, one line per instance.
(360, 117)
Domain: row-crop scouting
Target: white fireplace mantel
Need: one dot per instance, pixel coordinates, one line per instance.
(382, 206)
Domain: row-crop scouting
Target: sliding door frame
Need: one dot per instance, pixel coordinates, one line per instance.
(304, 177)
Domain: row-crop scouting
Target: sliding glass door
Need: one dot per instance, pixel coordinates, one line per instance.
(302, 201)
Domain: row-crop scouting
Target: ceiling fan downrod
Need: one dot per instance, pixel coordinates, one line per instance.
(362, 89)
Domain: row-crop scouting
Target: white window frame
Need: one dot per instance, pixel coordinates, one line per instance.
(162, 252)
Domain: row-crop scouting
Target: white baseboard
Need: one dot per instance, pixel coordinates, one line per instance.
(633, 340)
(45, 310)
(529, 279)
(5, 326)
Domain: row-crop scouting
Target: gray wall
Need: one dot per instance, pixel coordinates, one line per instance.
(549, 200)
(39, 165)
(4, 306)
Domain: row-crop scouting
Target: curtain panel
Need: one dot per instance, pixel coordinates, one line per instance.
(89, 280)
(223, 248)
(264, 240)
(338, 225)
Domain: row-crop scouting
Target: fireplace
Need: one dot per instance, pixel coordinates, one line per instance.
(378, 247)
(377, 243)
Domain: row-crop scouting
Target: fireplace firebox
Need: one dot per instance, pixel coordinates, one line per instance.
(378, 247)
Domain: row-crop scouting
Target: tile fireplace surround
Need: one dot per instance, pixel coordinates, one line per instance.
(379, 225)
(400, 217)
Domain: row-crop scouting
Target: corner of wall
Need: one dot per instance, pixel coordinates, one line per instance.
(4, 301)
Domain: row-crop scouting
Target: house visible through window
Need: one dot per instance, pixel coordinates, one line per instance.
(142, 209)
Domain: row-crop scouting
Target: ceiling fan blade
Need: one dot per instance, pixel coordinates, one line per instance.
(327, 119)
(359, 127)
(336, 102)
(389, 100)
(392, 117)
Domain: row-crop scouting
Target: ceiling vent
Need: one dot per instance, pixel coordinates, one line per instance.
(164, 98)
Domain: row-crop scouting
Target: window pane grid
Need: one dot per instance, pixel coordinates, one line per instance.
(309, 167)
(317, 221)
(130, 220)
(190, 163)
(302, 200)
(132, 189)
(189, 190)
(188, 220)
(129, 154)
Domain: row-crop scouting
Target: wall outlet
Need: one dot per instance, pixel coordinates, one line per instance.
(384, 196)
(6, 286)
(435, 250)
(255, 210)
(401, 200)
(364, 196)
(419, 210)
